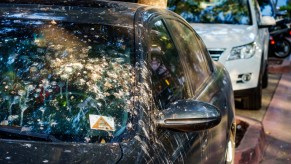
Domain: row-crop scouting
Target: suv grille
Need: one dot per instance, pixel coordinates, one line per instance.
(215, 53)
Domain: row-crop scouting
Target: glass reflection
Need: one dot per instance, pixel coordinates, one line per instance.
(167, 72)
(213, 11)
(54, 75)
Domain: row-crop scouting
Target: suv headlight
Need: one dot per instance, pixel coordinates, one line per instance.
(243, 52)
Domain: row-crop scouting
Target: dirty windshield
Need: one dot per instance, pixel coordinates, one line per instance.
(212, 11)
(65, 79)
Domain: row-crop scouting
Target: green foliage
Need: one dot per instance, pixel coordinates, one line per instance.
(286, 8)
(203, 11)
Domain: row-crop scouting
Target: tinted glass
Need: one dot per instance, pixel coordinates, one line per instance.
(65, 79)
(267, 8)
(193, 56)
(214, 11)
(167, 72)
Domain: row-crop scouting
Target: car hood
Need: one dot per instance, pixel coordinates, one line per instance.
(225, 35)
(44, 152)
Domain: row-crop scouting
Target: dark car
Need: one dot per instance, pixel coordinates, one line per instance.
(109, 82)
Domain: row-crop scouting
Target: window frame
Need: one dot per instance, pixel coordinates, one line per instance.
(151, 21)
(258, 13)
(209, 63)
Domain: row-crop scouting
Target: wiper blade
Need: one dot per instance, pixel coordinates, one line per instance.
(10, 132)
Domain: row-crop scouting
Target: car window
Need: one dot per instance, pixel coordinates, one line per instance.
(214, 11)
(193, 55)
(267, 7)
(66, 79)
(168, 79)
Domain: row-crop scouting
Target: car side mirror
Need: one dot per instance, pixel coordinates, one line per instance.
(267, 21)
(189, 115)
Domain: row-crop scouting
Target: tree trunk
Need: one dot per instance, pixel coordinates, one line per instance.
(159, 3)
(275, 4)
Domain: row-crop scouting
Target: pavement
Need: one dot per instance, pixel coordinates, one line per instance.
(277, 120)
(252, 145)
(268, 141)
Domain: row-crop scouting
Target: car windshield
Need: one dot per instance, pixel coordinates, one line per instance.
(267, 8)
(213, 11)
(70, 80)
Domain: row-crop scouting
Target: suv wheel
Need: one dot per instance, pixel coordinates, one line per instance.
(265, 78)
(254, 100)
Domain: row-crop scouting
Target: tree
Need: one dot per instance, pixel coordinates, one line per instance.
(275, 2)
(287, 7)
(160, 3)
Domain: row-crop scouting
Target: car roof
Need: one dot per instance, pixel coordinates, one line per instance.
(92, 11)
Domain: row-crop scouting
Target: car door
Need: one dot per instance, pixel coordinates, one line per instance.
(169, 85)
(204, 84)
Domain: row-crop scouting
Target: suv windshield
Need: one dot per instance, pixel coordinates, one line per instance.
(213, 11)
(267, 8)
(65, 79)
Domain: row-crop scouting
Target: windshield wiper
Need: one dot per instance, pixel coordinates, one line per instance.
(10, 132)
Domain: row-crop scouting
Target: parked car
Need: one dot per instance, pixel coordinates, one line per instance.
(235, 34)
(109, 82)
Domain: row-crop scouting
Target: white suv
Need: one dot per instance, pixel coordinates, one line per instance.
(235, 34)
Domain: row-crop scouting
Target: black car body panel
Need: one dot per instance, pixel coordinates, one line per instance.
(45, 152)
(136, 138)
(103, 14)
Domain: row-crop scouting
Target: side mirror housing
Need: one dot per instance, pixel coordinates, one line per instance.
(267, 21)
(189, 115)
